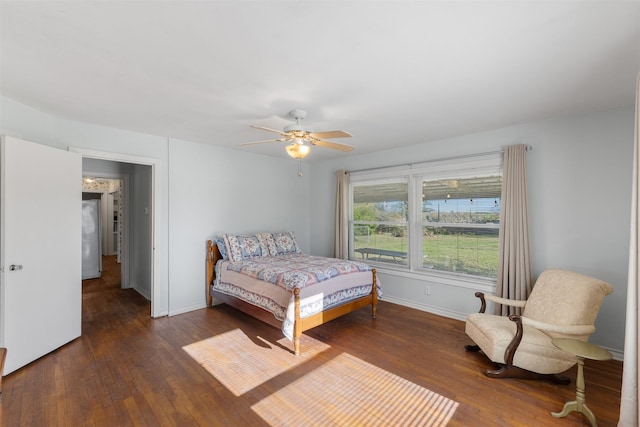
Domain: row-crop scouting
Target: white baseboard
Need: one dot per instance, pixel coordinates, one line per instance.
(141, 291)
(424, 307)
(617, 354)
(183, 310)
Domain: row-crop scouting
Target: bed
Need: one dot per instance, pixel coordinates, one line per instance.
(267, 277)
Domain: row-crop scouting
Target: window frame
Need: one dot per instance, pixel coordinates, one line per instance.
(459, 167)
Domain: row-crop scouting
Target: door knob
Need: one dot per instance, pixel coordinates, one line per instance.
(14, 267)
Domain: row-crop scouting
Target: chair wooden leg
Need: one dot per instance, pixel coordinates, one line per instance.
(506, 371)
(3, 356)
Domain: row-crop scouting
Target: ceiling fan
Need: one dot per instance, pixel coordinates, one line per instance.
(300, 138)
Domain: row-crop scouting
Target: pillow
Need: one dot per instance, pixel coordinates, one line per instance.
(267, 241)
(285, 243)
(221, 247)
(243, 247)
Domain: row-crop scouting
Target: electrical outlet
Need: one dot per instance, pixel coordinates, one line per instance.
(427, 290)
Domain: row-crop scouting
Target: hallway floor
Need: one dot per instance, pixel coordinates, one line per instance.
(109, 279)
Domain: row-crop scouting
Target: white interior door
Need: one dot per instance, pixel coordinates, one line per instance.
(40, 252)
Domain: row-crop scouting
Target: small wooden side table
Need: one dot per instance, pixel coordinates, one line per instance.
(582, 350)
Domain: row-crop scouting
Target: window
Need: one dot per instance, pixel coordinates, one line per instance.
(460, 224)
(437, 217)
(380, 213)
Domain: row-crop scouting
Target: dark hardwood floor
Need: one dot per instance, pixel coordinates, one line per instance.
(128, 369)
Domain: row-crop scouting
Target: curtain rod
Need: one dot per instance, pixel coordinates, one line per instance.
(410, 165)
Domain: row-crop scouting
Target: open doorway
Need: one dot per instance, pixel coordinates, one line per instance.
(102, 224)
(139, 207)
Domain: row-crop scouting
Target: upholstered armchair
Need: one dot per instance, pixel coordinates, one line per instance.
(562, 304)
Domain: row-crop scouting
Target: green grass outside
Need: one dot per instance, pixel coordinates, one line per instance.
(467, 253)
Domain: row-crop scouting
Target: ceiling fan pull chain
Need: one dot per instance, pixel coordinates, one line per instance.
(299, 167)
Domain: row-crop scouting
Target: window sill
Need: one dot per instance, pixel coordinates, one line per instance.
(457, 280)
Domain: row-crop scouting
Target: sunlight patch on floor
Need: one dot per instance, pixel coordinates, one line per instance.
(349, 391)
(241, 362)
(339, 390)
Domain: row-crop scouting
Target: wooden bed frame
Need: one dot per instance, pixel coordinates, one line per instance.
(300, 325)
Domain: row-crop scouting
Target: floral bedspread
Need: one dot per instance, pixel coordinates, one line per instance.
(296, 270)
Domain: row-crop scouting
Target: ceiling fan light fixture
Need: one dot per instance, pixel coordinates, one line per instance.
(300, 138)
(298, 151)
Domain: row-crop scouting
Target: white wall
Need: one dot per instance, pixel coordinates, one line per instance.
(579, 193)
(215, 190)
(140, 225)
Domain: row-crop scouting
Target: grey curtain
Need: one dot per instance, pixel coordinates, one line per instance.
(341, 238)
(514, 279)
(629, 411)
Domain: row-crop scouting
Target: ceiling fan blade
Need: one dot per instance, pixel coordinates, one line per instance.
(331, 144)
(261, 142)
(330, 134)
(269, 130)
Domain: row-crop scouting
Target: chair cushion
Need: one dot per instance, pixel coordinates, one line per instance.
(536, 352)
(566, 298)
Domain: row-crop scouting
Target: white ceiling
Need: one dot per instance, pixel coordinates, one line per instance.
(391, 73)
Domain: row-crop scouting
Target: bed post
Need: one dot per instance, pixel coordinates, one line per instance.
(210, 266)
(374, 294)
(296, 323)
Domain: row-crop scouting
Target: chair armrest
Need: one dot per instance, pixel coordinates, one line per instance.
(510, 351)
(483, 302)
(505, 301)
(560, 329)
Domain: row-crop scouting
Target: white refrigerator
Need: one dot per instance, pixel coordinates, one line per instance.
(91, 239)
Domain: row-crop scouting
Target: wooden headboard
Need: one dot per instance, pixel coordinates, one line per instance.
(213, 255)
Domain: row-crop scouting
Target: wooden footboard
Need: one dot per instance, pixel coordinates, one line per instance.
(300, 324)
(213, 255)
(318, 319)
